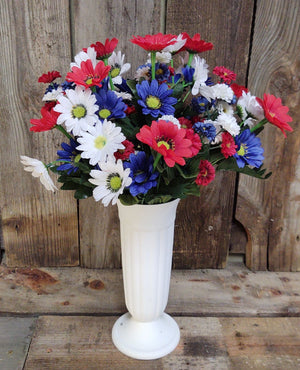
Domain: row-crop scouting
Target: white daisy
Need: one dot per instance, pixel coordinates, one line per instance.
(200, 74)
(54, 94)
(177, 46)
(228, 123)
(223, 92)
(83, 56)
(77, 110)
(142, 72)
(102, 141)
(123, 95)
(249, 104)
(38, 169)
(172, 119)
(110, 181)
(161, 57)
(118, 67)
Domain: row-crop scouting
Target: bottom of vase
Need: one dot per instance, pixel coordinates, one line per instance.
(145, 340)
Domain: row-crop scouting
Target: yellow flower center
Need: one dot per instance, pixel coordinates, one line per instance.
(78, 111)
(159, 71)
(153, 102)
(162, 142)
(115, 183)
(272, 114)
(77, 158)
(115, 72)
(89, 80)
(243, 150)
(104, 113)
(100, 142)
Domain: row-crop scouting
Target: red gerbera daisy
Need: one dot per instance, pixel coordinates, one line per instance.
(275, 112)
(195, 44)
(104, 51)
(154, 42)
(168, 140)
(228, 146)
(49, 77)
(86, 75)
(196, 141)
(206, 173)
(47, 122)
(125, 153)
(226, 74)
(238, 89)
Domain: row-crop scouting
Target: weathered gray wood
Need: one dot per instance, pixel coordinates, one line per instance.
(203, 224)
(206, 343)
(39, 228)
(270, 210)
(95, 21)
(234, 291)
(15, 337)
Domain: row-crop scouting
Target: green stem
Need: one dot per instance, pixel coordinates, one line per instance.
(190, 59)
(156, 161)
(173, 77)
(111, 84)
(184, 99)
(259, 125)
(153, 59)
(61, 129)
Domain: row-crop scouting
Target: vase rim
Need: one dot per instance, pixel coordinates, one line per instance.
(119, 203)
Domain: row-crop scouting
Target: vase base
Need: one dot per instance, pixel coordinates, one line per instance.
(145, 340)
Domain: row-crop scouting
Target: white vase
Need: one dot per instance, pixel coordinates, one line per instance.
(147, 233)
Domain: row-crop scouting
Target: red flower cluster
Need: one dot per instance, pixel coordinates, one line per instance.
(275, 112)
(49, 77)
(225, 74)
(195, 44)
(154, 42)
(124, 153)
(104, 51)
(238, 89)
(206, 174)
(48, 120)
(228, 146)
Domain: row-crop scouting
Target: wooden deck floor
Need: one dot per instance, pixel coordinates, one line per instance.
(61, 318)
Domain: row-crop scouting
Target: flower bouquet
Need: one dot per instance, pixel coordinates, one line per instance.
(157, 137)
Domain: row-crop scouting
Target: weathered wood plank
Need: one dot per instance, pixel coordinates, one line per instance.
(15, 337)
(39, 228)
(270, 210)
(234, 291)
(203, 224)
(206, 343)
(99, 226)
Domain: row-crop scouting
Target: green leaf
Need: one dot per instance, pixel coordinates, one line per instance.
(127, 199)
(132, 85)
(83, 193)
(231, 165)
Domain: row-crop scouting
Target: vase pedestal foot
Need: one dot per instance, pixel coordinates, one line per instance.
(145, 340)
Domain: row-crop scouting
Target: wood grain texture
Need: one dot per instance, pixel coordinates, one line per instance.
(39, 228)
(205, 343)
(270, 210)
(203, 224)
(234, 291)
(96, 21)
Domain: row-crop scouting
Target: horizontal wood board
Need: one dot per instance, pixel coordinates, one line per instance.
(206, 343)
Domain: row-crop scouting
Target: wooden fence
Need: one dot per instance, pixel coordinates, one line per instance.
(259, 40)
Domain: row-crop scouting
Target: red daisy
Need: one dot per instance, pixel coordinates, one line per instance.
(49, 77)
(86, 75)
(226, 74)
(104, 51)
(195, 44)
(196, 141)
(168, 140)
(125, 153)
(275, 112)
(47, 122)
(238, 89)
(206, 173)
(228, 146)
(154, 42)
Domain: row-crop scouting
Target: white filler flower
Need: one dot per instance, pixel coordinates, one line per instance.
(110, 181)
(200, 74)
(77, 110)
(38, 169)
(228, 123)
(250, 105)
(102, 141)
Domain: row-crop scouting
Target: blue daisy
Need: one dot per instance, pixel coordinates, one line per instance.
(141, 167)
(188, 73)
(249, 150)
(69, 155)
(200, 104)
(162, 72)
(110, 105)
(155, 98)
(206, 129)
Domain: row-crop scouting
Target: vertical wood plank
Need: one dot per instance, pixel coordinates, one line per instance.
(95, 21)
(270, 210)
(39, 228)
(203, 224)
